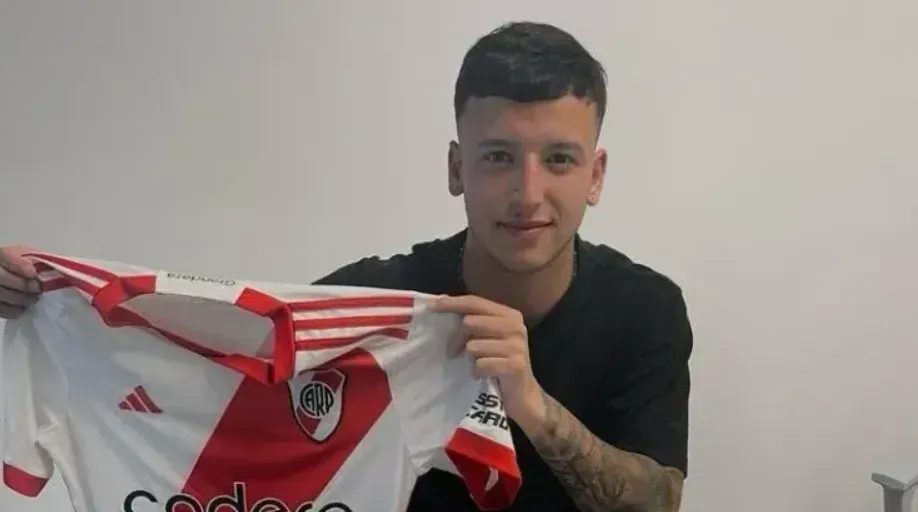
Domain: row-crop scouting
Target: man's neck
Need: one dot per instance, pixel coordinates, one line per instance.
(533, 294)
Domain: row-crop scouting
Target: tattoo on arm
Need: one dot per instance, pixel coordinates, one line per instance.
(600, 477)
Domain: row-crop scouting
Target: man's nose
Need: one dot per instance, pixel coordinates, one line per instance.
(530, 185)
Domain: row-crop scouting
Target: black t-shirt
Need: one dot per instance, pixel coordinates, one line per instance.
(614, 351)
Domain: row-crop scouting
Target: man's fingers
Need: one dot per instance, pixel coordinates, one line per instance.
(485, 348)
(16, 298)
(19, 284)
(12, 261)
(491, 367)
(488, 326)
(10, 312)
(467, 305)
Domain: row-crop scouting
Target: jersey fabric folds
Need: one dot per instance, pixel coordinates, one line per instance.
(160, 391)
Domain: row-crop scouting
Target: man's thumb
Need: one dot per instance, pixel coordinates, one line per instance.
(12, 261)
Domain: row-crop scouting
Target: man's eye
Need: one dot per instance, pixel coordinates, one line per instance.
(498, 157)
(561, 159)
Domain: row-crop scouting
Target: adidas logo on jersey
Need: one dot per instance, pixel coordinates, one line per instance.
(224, 503)
(139, 401)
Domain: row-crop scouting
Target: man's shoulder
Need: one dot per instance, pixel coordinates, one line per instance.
(646, 308)
(425, 268)
(372, 271)
(622, 278)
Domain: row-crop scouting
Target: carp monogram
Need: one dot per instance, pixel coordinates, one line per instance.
(316, 398)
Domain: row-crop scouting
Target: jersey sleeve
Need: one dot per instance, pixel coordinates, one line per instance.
(451, 420)
(28, 381)
(482, 453)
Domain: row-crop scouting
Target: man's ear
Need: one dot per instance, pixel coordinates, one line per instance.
(454, 169)
(598, 176)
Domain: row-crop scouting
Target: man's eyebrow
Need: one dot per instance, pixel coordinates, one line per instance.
(496, 143)
(504, 143)
(569, 146)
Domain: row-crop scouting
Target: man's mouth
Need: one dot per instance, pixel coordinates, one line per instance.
(524, 226)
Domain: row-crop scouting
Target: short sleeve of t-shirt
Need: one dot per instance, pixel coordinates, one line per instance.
(647, 402)
(32, 396)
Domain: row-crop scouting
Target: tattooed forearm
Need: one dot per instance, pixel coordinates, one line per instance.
(600, 477)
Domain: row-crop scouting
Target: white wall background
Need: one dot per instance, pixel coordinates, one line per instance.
(763, 154)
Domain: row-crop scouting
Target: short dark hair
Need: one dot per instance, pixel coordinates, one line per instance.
(527, 62)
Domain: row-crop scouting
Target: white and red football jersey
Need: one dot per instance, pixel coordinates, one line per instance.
(160, 391)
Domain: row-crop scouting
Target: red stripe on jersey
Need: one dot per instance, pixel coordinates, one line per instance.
(280, 315)
(474, 457)
(61, 282)
(82, 268)
(400, 333)
(41, 266)
(344, 322)
(121, 290)
(23, 482)
(56, 283)
(259, 441)
(365, 302)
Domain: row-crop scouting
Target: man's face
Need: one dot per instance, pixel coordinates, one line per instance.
(527, 172)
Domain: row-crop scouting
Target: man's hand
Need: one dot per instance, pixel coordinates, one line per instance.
(596, 475)
(498, 341)
(18, 282)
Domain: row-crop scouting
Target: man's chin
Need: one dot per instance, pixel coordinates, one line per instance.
(524, 262)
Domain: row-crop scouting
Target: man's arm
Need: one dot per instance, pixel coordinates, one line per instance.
(597, 475)
(644, 409)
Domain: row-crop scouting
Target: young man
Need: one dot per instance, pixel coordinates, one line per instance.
(590, 349)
